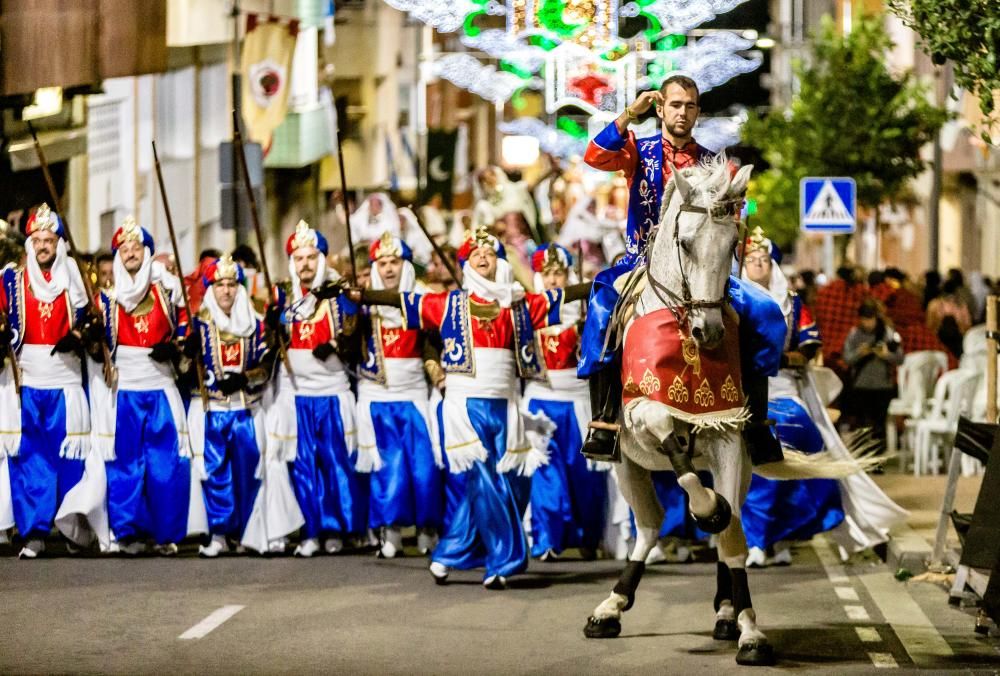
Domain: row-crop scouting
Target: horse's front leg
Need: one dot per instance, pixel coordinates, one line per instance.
(636, 486)
(735, 616)
(653, 424)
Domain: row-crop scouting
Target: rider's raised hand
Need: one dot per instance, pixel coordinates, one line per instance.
(645, 101)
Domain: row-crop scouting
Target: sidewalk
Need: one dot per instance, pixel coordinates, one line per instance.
(922, 496)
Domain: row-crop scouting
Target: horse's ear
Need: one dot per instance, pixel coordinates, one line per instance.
(738, 185)
(683, 187)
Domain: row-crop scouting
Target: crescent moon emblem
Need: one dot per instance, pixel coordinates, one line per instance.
(456, 353)
(435, 171)
(209, 378)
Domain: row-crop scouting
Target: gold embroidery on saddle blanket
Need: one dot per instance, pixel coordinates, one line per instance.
(704, 388)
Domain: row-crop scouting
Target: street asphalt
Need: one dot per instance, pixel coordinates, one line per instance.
(356, 614)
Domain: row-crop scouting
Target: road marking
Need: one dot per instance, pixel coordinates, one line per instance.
(834, 570)
(868, 634)
(216, 618)
(883, 660)
(857, 613)
(846, 593)
(921, 639)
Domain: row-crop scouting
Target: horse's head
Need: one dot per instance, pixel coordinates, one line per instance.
(692, 254)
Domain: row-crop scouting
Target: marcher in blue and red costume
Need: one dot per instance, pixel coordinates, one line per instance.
(248, 494)
(488, 330)
(140, 426)
(46, 434)
(646, 164)
(776, 513)
(394, 415)
(569, 493)
(312, 417)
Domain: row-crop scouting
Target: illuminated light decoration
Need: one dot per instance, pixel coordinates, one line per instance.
(465, 71)
(519, 150)
(552, 141)
(575, 76)
(679, 16)
(711, 61)
(502, 45)
(716, 133)
(446, 17)
(571, 127)
(590, 88)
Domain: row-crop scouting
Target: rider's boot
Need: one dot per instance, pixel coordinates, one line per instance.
(606, 399)
(762, 444)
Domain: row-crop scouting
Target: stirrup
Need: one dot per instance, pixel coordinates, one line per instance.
(602, 442)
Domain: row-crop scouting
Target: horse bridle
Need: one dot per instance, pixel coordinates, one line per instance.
(684, 301)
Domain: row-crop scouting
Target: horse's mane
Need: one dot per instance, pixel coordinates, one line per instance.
(711, 176)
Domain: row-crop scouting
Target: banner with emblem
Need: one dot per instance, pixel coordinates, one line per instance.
(268, 48)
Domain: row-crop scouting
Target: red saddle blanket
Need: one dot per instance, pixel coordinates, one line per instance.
(702, 387)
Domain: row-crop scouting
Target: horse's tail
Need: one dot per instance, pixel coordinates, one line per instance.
(863, 447)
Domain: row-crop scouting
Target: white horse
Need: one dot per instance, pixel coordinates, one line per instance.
(690, 259)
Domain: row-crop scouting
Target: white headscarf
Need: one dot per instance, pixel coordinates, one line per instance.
(241, 320)
(777, 289)
(305, 305)
(130, 291)
(64, 276)
(368, 228)
(504, 290)
(392, 318)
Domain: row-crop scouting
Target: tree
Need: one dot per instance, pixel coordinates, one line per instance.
(850, 117)
(967, 33)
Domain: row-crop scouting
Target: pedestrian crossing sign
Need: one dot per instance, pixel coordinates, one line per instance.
(828, 205)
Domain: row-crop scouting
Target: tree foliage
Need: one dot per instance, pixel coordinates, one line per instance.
(967, 33)
(850, 117)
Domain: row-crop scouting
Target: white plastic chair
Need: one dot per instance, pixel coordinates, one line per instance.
(973, 347)
(935, 432)
(915, 380)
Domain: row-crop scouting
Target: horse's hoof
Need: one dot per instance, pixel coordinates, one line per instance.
(606, 627)
(717, 521)
(725, 630)
(755, 654)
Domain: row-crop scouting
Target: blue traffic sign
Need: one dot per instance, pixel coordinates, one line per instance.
(828, 205)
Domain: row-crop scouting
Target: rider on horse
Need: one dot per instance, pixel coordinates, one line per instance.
(647, 164)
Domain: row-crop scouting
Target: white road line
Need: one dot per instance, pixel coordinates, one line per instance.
(834, 570)
(921, 639)
(857, 613)
(868, 634)
(846, 593)
(883, 660)
(216, 618)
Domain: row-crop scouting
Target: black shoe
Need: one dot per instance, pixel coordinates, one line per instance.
(601, 445)
(762, 445)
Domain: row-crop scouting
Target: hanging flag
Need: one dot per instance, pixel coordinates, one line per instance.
(267, 69)
(440, 164)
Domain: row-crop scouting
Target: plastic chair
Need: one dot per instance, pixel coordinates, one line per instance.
(973, 346)
(915, 379)
(935, 432)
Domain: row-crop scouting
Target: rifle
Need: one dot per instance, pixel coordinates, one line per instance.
(245, 173)
(437, 248)
(347, 211)
(199, 367)
(109, 371)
